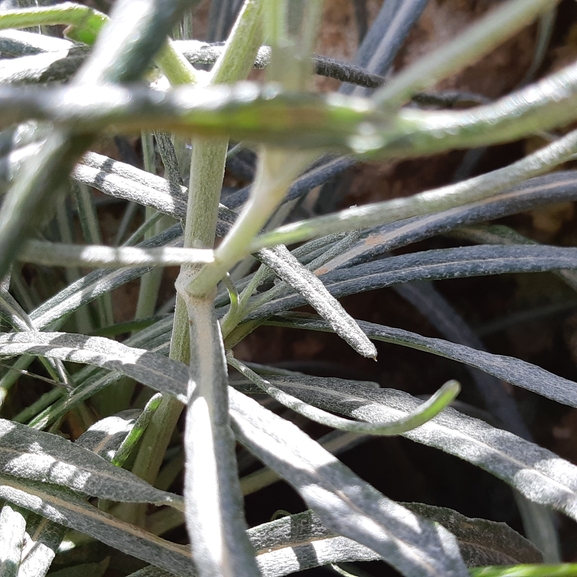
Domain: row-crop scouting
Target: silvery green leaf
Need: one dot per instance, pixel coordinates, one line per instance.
(509, 369)
(92, 378)
(44, 536)
(439, 264)
(150, 368)
(11, 311)
(43, 539)
(66, 508)
(214, 504)
(289, 269)
(299, 542)
(345, 504)
(536, 473)
(121, 180)
(12, 532)
(551, 188)
(482, 542)
(29, 454)
(95, 284)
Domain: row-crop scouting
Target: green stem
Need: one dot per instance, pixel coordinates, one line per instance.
(444, 198)
(274, 175)
(207, 171)
(85, 24)
(424, 413)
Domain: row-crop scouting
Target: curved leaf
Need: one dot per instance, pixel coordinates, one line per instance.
(510, 369)
(536, 473)
(299, 542)
(344, 503)
(65, 508)
(289, 269)
(38, 456)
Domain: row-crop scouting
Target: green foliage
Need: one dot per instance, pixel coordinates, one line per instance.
(119, 73)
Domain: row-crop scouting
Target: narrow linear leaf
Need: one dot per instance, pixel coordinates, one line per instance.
(120, 180)
(97, 256)
(149, 368)
(536, 473)
(482, 542)
(299, 542)
(38, 456)
(535, 192)
(462, 262)
(510, 369)
(65, 508)
(44, 536)
(344, 503)
(244, 111)
(11, 311)
(36, 61)
(12, 532)
(289, 269)
(424, 203)
(118, 186)
(441, 399)
(92, 379)
(214, 506)
(95, 284)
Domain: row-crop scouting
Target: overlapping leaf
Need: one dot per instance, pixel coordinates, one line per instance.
(537, 473)
(29, 454)
(510, 369)
(345, 503)
(66, 508)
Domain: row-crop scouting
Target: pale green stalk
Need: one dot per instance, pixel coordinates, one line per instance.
(91, 231)
(275, 173)
(444, 198)
(150, 282)
(212, 491)
(207, 170)
(84, 26)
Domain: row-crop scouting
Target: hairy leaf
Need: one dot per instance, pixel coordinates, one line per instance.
(510, 369)
(29, 454)
(64, 507)
(12, 531)
(536, 473)
(299, 542)
(344, 502)
(289, 269)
